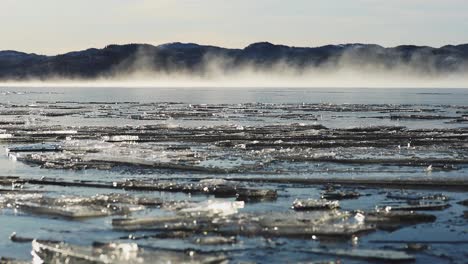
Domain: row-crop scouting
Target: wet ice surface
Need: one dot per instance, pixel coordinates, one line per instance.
(257, 175)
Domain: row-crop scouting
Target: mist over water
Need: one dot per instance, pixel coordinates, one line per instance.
(341, 79)
(346, 70)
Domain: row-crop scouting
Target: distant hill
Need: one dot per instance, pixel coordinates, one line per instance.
(193, 58)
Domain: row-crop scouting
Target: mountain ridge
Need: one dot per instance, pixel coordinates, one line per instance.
(194, 58)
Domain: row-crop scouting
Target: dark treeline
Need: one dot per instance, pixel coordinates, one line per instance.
(115, 60)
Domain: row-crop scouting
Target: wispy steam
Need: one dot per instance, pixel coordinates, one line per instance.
(351, 68)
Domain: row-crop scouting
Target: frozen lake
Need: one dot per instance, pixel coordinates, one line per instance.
(372, 149)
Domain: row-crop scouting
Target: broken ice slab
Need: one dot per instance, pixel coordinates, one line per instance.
(306, 225)
(314, 204)
(8, 199)
(417, 206)
(215, 240)
(440, 163)
(423, 117)
(42, 147)
(97, 200)
(256, 195)
(398, 217)
(416, 196)
(217, 187)
(75, 211)
(103, 200)
(187, 216)
(161, 235)
(52, 132)
(10, 180)
(332, 223)
(323, 224)
(291, 219)
(60, 113)
(118, 253)
(340, 195)
(205, 209)
(212, 208)
(73, 159)
(312, 226)
(120, 138)
(393, 220)
(368, 254)
(172, 222)
(12, 122)
(139, 162)
(5, 136)
(265, 220)
(336, 231)
(76, 207)
(430, 184)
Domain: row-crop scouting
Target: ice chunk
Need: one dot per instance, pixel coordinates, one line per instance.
(54, 132)
(42, 147)
(74, 211)
(219, 208)
(215, 240)
(419, 205)
(416, 196)
(120, 138)
(313, 204)
(340, 195)
(5, 136)
(370, 254)
(119, 253)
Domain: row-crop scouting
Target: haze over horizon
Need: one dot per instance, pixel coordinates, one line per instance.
(53, 27)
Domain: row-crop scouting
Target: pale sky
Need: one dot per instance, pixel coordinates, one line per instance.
(58, 26)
